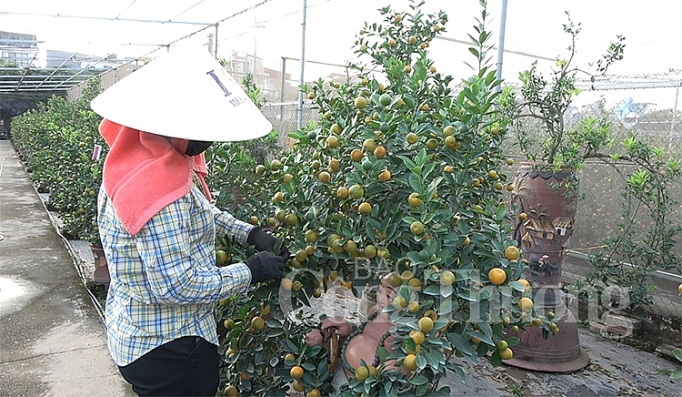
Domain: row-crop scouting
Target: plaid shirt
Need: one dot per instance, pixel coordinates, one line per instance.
(164, 282)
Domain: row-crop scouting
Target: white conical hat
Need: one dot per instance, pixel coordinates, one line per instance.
(183, 94)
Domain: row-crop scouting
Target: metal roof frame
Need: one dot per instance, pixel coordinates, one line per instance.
(28, 82)
(55, 80)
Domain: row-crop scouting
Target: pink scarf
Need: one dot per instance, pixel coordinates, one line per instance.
(144, 172)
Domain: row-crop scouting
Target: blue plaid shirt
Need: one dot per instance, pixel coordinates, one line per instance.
(164, 281)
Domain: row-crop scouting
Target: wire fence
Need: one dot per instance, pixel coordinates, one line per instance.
(286, 109)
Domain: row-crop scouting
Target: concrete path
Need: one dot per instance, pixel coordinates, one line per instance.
(52, 340)
(615, 369)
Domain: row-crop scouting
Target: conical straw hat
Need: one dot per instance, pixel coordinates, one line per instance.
(184, 93)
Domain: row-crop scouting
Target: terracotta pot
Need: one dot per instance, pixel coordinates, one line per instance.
(544, 235)
(101, 273)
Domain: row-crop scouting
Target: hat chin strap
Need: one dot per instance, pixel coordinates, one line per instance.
(197, 147)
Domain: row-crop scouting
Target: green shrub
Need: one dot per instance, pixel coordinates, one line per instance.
(56, 141)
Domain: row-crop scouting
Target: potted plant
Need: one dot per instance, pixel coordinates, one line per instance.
(555, 151)
(56, 141)
(545, 190)
(398, 182)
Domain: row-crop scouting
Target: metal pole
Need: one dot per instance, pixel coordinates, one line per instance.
(500, 44)
(672, 124)
(302, 79)
(281, 94)
(215, 50)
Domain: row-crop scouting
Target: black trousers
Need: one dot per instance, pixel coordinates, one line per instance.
(184, 367)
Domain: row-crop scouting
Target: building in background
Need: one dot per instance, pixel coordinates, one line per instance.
(268, 80)
(63, 59)
(630, 112)
(74, 60)
(240, 65)
(18, 48)
(22, 50)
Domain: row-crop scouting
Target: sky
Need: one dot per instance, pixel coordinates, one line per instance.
(274, 29)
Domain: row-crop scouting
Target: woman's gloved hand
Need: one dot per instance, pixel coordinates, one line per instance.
(261, 240)
(264, 241)
(265, 266)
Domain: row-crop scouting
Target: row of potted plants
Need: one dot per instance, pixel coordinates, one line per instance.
(56, 142)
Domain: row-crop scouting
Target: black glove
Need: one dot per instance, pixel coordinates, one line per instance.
(285, 254)
(264, 241)
(261, 240)
(265, 266)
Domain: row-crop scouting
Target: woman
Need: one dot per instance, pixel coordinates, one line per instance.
(158, 227)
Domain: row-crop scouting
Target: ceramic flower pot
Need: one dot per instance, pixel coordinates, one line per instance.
(101, 273)
(543, 234)
(545, 231)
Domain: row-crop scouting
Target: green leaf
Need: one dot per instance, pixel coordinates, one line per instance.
(292, 347)
(315, 350)
(433, 290)
(677, 374)
(495, 359)
(409, 100)
(446, 307)
(383, 353)
(419, 380)
(505, 290)
(415, 183)
(515, 285)
(275, 333)
(421, 362)
(409, 344)
(321, 367)
(466, 295)
(678, 354)
(408, 162)
(485, 293)
(484, 338)
(462, 344)
(487, 330)
(435, 359)
(440, 323)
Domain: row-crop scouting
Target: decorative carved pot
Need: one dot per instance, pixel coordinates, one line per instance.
(545, 232)
(544, 236)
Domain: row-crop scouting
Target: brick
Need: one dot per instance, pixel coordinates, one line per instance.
(622, 322)
(601, 328)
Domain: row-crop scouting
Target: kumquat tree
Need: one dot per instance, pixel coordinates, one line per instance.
(398, 185)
